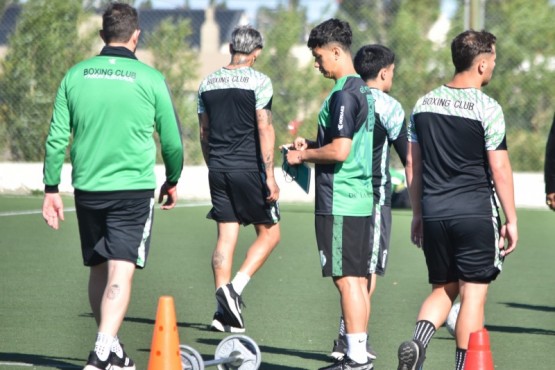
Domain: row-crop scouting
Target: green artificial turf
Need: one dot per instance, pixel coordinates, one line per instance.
(291, 311)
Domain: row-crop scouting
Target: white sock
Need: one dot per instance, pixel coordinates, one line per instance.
(240, 281)
(357, 347)
(116, 347)
(103, 345)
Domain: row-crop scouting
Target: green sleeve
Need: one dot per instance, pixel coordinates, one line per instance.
(57, 139)
(169, 131)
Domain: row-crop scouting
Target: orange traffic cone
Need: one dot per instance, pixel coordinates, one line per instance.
(478, 355)
(164, 351)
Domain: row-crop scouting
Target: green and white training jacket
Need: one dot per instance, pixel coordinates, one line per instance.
(111, 105)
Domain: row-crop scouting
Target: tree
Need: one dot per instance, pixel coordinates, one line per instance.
(523, 76)
(100, 4)
(145, 4)
(298, 89)
(419, 64)
(3, 135)
(46, 42)
(3, 5)
(402, 26)
(174, 57)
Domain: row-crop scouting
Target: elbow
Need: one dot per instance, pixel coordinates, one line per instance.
(341, 157)
(341, 154)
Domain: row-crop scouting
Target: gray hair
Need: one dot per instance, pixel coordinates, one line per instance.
(245, 39)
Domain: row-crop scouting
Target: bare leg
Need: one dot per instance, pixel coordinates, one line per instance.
(437, 305)
(355, 302)
(267, 238)
(98, 278)
(371, 289)
(471, 314)
(222, 258)
(372, 284)
(116, 296)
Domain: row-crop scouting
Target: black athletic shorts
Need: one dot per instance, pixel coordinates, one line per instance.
(115, 229)
(380, 237)
(462, 249)
(241, 197)
(343, 244)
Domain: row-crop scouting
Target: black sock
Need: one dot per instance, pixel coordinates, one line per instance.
(460, 356)
(424, 331)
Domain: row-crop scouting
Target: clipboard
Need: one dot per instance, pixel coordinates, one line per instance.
(300, 173)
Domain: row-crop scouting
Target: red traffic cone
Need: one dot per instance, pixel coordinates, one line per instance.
(478, 355)
(164, 351)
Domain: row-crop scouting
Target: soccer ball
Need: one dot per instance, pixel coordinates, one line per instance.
(452, 318)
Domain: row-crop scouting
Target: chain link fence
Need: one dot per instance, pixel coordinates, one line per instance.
(41, 39)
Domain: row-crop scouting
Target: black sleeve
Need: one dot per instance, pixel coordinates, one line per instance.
(400, 145)
(343, 114)
(549, 169)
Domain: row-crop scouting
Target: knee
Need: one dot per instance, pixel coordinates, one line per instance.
(348, 284)
(271, 235)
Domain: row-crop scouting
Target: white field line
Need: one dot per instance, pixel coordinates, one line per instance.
(38, 211)
(23, 364)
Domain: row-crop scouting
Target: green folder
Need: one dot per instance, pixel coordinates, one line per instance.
(300, 173)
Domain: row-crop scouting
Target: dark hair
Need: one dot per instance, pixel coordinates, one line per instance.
(119, 21)
(245, 39)
(370, 59)
(468, 45)
(331, 31)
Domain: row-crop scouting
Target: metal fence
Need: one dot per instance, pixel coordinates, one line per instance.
(41, 39)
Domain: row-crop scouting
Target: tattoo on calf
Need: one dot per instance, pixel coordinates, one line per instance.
(113, 291)
(217, 260)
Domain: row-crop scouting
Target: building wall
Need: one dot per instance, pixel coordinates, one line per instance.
(24, 178)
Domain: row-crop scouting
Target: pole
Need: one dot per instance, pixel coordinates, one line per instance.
(474, 14)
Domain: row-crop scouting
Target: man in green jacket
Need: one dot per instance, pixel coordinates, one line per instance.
(111, 105)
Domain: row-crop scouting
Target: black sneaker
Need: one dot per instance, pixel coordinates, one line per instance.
(93, 360)
(231, 303)
(340, 348)
(219, 324)
(411, 355)
(347, 364)
(121, 363)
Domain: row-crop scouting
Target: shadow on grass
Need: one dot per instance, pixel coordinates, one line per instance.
(214, 343)
(265, 350)
(509, 329)
(24, 360)
(140, 320)
(531, 307)
(519, 330)
(277, 351)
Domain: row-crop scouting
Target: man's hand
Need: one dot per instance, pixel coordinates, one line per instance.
(53, 209)
(294, 157)
(273, 190)
(508, 233)
(416, 233)
(170, 192)
(550, 201)
(300, 143)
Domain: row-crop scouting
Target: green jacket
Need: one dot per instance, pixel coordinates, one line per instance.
(112, 104)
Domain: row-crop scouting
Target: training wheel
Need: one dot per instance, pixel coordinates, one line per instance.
(243, 350)
(190, 358)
